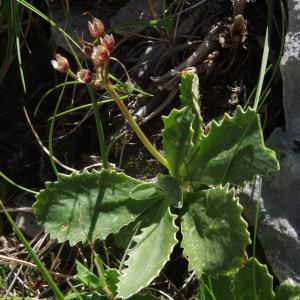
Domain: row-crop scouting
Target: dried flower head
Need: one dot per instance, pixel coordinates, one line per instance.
(108, 42)
(96, 28)
(85, 76)
(100, 55)
(60, 63)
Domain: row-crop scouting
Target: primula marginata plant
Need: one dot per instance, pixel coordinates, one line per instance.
(196, 196)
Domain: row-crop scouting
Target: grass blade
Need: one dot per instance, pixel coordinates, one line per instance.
(265, 56)
(51, 22)
(33, 255)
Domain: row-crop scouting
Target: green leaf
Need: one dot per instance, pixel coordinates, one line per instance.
(214, 233)
(125, 235)
(171, 188)
(87, 206)
(88, 278)
(177, 139)
(232, 152)
(287, 291)
(112, 278)
(189, 96)
(216, 288)
(152, 249)
(253, 282)
(144, 191)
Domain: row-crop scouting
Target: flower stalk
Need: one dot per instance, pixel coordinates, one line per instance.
(136, 128)
(99, 55)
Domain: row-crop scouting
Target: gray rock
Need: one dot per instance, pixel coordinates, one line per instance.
(279, 210)
(279, 193)
(290, 68)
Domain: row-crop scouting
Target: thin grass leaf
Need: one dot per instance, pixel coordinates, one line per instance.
(84, 106)
(276, 68)
(52, 90)
(144, 23)
(20, 63)
(34, 256)
(265, 56)
(52, 130)
(17, 185)
(128, 87)
(51, 22)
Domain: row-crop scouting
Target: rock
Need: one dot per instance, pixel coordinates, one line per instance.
(290, 69)
(279, 195)
(279, 210)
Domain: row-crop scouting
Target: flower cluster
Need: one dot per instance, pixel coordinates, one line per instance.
(99, 54)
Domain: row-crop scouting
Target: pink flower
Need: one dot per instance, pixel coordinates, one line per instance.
(100, 55)
(85, 76)
(96, 28)
(108, 42)
(60, 63)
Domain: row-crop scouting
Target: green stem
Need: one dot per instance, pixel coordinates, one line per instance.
(52, 129)
(17, 185)
(99, 127)
(100, 133)
(103, 152)
(134, 125)
(85, 106)
(35, 258)
(72, 74)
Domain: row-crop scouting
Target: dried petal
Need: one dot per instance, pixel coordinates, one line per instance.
(60, 63)
(96, 28)
(85, 76)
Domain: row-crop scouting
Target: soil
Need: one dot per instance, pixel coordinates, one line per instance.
(227, 81)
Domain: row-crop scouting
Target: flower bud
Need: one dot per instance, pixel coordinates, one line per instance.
(60, 63)
(87, 51)
(100, 55)
(108, 42)
(96, 28)
(85, 76)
